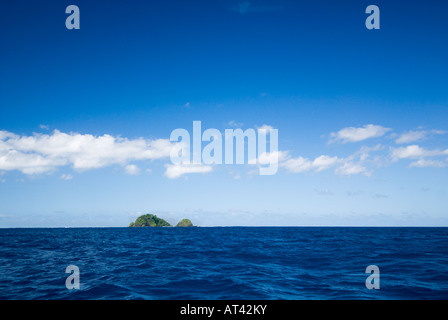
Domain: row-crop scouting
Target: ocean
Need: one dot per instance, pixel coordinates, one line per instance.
(224, 263)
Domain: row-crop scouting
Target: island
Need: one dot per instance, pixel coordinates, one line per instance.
(184, 223)
(151, 220)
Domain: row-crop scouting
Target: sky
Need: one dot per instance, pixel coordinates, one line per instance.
(86, 114)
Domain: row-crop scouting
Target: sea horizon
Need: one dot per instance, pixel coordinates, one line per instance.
(236, 226)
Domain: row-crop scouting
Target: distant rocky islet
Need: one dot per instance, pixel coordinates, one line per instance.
(151, 220)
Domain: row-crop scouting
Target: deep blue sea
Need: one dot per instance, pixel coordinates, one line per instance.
(224, 263)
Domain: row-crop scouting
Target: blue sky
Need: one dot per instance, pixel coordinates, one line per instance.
(361, 114)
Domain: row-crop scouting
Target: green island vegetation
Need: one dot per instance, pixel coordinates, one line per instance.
(184, 223)
(151, 220)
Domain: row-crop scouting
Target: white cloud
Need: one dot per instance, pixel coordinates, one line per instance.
(352, 134)
(324, 162)
(414, 151)
(132, 169)
(28, 163)
(66, 177)
(174, 171)
(6, 135)
(350, 168)
(44, 127)
(411, 136)
(297, 165)
(302, 164)
(423, 163)
(41, 153)
(364, 152)
(271, 157)
(417, 135)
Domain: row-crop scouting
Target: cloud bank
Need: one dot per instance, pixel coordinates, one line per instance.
(42, 153)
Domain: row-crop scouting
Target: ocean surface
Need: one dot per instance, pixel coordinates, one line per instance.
(224, 263)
